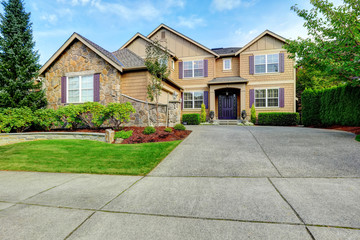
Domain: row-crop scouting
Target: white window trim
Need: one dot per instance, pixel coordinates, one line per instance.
(193, 99)
(80, 85)
(266, 63)
(224, 68)
(173, 64)
(193, 69)
(266, 97)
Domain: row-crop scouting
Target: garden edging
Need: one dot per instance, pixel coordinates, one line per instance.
(10, 138)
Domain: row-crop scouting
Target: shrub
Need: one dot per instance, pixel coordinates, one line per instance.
(117, 113)
(332, 106)
(253, 114)
(278, 119)
(92, 114)
(179, 127)
(357, 138)
(168, 129)
(68, 116)
(149, 130)
(123, 134)
(45, 119)
(18, 119)
(203, 113)
(191, 119)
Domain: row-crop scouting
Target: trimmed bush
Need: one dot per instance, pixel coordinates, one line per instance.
(149, 130)
(332, 106)
(45, 119)
(117, 113)
(92, 114)
(179, 127)
(168, 129)
(123, 134)
(253, 114)
(18, 119)
(278, 119)
(203, 113)
(191, 119)
(357, 138)
(69, 116)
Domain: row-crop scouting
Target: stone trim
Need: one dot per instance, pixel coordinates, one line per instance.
(82, 73)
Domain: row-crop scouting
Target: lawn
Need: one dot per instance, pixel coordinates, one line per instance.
(358, 138)
(84, 156)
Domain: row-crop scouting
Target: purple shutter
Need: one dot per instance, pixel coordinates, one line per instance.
(251, 65)
(180, 70)
(252, 97)
(281, 62)
(63, 89)
(206, 99)
(182, 101)
(97, 87)
(206, 63)
(281, 97)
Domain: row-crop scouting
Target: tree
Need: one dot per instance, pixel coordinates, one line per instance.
(157, 64)
(18, 61)
(334, 43)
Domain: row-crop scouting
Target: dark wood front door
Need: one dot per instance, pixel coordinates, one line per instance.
(227, 106)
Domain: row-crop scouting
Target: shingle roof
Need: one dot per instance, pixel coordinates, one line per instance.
(226, 51)
(128, 58)
(103, 51)
(221, 80)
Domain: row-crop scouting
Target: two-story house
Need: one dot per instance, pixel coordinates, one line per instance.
(226, 80)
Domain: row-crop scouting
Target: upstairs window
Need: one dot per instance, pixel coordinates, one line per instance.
(80, 89)
(267, 63)
(194, 69)
(227, 64)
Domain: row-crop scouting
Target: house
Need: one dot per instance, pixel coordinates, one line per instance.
(226, 80)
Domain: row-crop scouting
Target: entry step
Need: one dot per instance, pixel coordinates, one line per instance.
(228, 122)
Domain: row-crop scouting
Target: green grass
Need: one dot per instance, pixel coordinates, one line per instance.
(84, 156)
(358, 138)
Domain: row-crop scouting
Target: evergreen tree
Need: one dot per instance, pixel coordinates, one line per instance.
(18, 61)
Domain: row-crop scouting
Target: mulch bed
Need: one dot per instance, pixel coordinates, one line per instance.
(159, 136)
(355, 130)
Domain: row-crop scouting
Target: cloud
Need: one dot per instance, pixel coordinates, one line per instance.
(223, 5)
(191, 22)
(50, 18)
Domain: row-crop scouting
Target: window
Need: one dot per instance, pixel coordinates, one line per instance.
(193, 69)
(80, 89)
(267, 97)
(227, 64)
(173, 64)
(267, 63)
(193, 99)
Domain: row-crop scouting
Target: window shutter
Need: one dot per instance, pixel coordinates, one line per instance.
(206, 99)
(181, 70)
(63, 89)
(97, 87)
(281, 63)
(251, 65)
(282, 97)
(206, 63)
(182, 101)
(252, 97)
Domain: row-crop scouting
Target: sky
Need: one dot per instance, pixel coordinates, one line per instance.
(111, 23)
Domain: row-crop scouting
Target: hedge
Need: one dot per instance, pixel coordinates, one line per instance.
(278, 119)
(333, 106)
(191, 119)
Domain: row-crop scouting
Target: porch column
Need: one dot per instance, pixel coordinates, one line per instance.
(243, 99)
(212, 100)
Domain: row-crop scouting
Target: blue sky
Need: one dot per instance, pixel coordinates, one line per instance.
(110, 23)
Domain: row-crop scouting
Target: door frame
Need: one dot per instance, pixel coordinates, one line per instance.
(227, 92)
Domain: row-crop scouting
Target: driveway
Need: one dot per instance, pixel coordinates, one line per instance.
(222, 182)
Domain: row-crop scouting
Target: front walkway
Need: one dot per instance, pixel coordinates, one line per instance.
(222, 182)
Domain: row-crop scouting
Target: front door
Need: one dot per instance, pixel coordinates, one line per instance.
(227, 106)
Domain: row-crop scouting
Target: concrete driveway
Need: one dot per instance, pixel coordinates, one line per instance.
(222, 182)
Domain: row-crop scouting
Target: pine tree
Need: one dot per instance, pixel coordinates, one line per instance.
(19, 63)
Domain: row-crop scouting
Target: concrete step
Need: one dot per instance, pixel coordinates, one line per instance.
(228, 122)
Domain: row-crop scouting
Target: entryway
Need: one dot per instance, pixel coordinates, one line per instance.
(227, 104)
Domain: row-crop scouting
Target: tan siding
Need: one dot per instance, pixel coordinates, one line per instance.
(265, 43)
(219, 72)
(289, 98)
(134, 84)
(138, 46)
(180, 46)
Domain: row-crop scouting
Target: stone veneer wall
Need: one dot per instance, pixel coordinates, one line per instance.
(10, 138)
(167, 112)
(78, 58)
